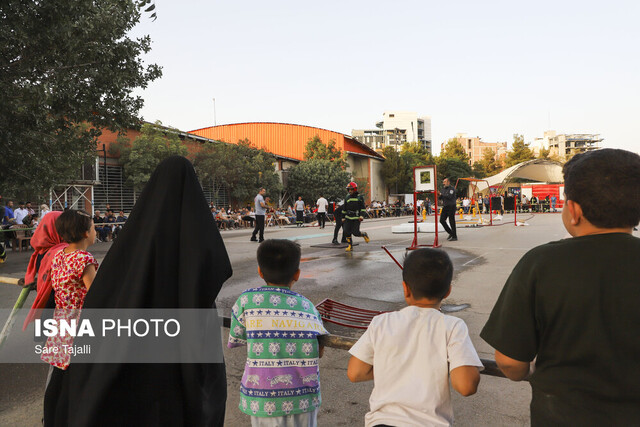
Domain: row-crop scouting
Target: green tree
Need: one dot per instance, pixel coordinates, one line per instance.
(453, 168)
(416, 155)
(520, 152)
(140, 157)
(64, 64)
(316, 149)
(478, 170)
(490, 164)
(322, 172)
(313, 177)
(454, 150)
(241, 167)
(544, 153)
(394, 171)
(412, 155)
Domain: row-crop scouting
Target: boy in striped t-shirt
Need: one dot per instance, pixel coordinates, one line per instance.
(280, 329)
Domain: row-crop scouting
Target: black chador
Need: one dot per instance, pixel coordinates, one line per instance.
(168, 255)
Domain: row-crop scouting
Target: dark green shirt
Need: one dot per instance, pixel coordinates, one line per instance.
(575, 304)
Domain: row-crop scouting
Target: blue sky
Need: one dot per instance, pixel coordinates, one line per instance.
(489, 69)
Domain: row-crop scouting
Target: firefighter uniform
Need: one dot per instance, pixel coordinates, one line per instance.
(353, 212)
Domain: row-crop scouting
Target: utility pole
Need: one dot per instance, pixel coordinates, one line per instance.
(214, 112)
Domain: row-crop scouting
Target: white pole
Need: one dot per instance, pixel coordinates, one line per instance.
(214, 112)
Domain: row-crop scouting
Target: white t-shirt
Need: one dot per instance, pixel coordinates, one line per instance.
(412, 352)
(299, 205)
(19, 214)
(322, 205)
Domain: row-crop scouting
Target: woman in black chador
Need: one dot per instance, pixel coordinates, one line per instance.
(169, 254)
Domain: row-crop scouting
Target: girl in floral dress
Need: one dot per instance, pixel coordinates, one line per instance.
(72, 272)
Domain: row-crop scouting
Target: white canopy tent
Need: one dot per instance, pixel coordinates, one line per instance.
(540, 170)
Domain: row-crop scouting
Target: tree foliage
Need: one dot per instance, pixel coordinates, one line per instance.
(149, 7)
(453, 168)
(544, 153)
(140, 157)
(453, 163)
(520, 152)
(243, 168)
(490, 165)
(394, 171)
(478, 170)
(397, 169)
(314, 177)
(454, 150)
(416, 155)
(316, 149)
(67, 69)
(322, 172)
(412, 155)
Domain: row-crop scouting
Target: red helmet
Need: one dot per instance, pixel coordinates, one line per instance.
(352, 185)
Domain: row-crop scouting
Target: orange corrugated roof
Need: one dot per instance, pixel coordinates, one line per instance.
(283, 139)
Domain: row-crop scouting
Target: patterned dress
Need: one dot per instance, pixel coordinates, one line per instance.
(280, 329)
(66, 279)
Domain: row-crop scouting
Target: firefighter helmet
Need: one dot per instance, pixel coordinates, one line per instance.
(352, 185)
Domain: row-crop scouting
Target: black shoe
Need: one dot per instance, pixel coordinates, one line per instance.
(335, 241)
(454, 239)
(261, 240)
(450, 237)
(253, 239)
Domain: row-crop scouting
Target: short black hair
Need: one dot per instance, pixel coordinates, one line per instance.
(72, 224)
(428, 273)
(279, 260)
(606, 185)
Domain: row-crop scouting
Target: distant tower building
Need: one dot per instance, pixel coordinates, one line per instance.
(565, 145)
(396, 128)
(474, 147)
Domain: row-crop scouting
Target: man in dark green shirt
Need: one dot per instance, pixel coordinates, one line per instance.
(568, 315)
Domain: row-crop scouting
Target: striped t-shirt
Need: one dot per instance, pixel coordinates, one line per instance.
(279, 328)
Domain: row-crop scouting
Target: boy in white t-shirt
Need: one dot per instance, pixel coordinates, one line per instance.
(410, 354)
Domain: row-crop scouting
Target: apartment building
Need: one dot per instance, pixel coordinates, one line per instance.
(474, 147)
(565, 145)
(396, 128)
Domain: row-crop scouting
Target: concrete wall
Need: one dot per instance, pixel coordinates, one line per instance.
(378, 190)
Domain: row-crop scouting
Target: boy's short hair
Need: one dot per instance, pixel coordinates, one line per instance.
(428, 273)
(279, 260)
(72, 224)
(606, 185)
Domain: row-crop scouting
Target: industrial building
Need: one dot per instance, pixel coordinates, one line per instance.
(288, 142)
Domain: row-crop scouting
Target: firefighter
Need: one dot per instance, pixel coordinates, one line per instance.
(352, 215)
(337, 216)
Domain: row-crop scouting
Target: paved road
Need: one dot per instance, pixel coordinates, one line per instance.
(368, 278)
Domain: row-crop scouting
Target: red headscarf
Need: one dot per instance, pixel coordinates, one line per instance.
(47, 241)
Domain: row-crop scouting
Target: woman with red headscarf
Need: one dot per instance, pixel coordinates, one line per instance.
(46, 242)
